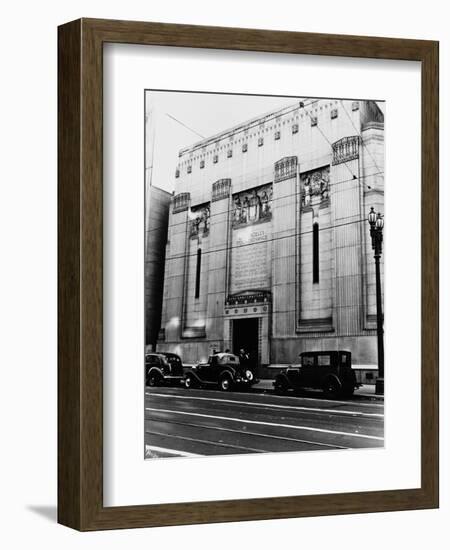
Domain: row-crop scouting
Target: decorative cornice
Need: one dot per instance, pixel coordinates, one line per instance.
(345, 149)
(244, 127)
(373, 125)
(221, 189)
(181, 202)
(285, 168)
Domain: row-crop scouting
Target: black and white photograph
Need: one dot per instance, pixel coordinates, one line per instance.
(264, 274)
(225, 273)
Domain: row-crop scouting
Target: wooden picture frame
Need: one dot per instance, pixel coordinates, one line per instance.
(80, 272)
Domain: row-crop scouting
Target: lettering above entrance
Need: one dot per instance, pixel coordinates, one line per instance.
(248, 304)
(249, 297)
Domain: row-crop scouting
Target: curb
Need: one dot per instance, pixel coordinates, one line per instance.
(265, 385)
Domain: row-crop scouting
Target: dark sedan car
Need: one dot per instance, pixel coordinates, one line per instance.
(330, 371)
(163, 368)
(223, 370)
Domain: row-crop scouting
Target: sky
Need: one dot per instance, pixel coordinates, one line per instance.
(205, 114)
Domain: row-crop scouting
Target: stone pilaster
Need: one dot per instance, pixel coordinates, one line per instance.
(218, 258)
(284, 246)
(372, 169)
(347, 220)
(174, 278)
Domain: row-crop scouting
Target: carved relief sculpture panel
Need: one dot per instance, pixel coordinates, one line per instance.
(315, 187)
(254, 206)
(200, 218)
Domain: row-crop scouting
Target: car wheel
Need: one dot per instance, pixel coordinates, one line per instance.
(189, 382)
(225, 383)
(332, 388)
(153, 380)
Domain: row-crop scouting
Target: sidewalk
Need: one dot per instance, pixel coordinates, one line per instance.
(366, 391)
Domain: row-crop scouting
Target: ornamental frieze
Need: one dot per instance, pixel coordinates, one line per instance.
(249, 297)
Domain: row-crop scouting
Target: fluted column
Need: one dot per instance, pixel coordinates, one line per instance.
(174, 278)
(347, 221)
(218, 246)
(284, 247)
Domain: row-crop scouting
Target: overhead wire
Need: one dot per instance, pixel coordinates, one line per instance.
(354, 177)
(272, 239)
(295, 194)
(359, 134)
(185, 125)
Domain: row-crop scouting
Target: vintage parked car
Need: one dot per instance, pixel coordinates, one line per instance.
(330, 371)
(163, 368)
(223, 370)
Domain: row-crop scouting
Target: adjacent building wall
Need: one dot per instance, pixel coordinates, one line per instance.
(156, 225)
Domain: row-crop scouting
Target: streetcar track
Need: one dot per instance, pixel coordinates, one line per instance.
(268, 436)
(272, 424)
(205, 442)
(284, 397)
(353, 414)
(287, 418)
(261, 416)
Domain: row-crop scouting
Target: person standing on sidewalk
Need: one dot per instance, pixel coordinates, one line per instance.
(244, 358)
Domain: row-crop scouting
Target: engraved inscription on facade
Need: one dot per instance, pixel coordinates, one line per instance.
(249, 266)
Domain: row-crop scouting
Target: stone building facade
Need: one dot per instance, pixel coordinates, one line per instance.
(268, 245)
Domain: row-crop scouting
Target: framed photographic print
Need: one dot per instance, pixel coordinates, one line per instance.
(248, 274)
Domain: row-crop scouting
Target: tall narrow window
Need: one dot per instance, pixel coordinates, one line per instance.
(315, 253)
(198, 272)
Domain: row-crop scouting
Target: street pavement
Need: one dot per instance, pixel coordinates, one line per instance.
(199, 422)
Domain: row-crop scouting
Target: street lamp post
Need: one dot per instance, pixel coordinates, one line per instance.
(376, 223)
